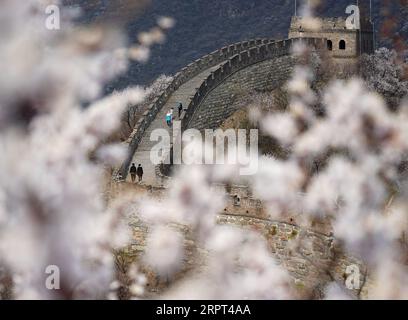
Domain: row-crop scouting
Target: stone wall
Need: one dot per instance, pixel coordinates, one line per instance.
(316, 259)
(180, 78)
(262, 68)
(263, 78)
(225, 99)
(237, 56)
(249, 66)
(313, 258)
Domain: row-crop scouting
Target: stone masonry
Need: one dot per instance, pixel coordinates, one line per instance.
(312, 256)
(225, 99)
(194, 83)
(186, 82)
(210, 89)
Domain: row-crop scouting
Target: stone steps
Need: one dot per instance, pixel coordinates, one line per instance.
(184, 95)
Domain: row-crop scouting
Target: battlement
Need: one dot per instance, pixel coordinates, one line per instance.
(234, 57)
(184, 75)
(310, 254)
(219, 80)
(344, 44)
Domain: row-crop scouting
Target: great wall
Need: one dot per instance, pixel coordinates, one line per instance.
(209, 89)
(206, 89)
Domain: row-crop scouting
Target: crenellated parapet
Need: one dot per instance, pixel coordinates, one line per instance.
(184, 75)
(259, 64)
(243, 60)
(259, 68)
(311, 255)
(230, 60)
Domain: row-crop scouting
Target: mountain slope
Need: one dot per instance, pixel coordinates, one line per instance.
(206, 25)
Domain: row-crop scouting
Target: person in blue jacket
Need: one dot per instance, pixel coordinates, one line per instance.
(169, 119)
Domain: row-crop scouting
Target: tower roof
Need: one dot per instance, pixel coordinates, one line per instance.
(328, 24)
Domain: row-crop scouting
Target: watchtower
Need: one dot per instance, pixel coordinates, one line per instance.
(346, 39)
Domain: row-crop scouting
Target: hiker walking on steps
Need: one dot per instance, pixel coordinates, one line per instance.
(180, 109)
(140, 172)
(169, 118)
(133, 172)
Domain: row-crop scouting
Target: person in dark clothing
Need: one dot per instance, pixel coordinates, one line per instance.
(133, 172)
(180, 109)
(140, 172)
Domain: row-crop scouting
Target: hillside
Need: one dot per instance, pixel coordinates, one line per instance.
(204, 26)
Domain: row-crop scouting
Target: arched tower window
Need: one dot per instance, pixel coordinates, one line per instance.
(329, 45)
(342, 45)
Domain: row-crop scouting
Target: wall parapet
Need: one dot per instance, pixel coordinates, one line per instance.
(242, 60)
(312, 258)
(184, 75)
(246, 58)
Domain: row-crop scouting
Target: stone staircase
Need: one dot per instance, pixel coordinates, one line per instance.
(191, 86)
(184, 94)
